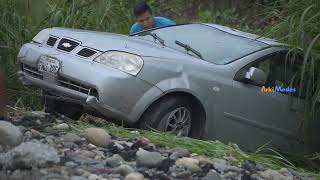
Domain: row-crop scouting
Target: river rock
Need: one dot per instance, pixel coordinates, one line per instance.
(10, 135)
(98, 137)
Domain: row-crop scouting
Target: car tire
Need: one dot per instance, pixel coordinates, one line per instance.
(54, 106)
(159, 114)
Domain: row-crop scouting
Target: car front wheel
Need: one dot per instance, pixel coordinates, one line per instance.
(174, 114)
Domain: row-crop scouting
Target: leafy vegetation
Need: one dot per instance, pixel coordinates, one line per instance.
(227, 17)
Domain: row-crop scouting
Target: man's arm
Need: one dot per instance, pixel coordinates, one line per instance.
(135, 28)
(131, 30)
(165, 21)
(170, 22)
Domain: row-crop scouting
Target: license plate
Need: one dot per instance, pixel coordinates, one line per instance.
(48, 65)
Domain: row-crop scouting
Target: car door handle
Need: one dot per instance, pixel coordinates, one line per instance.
(293, 109)
(293, 105)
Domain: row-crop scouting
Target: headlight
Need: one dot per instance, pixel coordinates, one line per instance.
(42, 36)
(122, 61)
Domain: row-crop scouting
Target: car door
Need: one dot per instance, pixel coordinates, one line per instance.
(259, 115)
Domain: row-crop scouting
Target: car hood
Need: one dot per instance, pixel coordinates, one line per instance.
(104, 41)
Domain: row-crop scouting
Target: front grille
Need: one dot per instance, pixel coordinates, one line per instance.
(67, 45)
(85, 52)
(51, 41)
(70, 84)
(31, 71)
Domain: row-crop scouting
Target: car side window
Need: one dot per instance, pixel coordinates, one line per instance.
(281, 70)
(265, 66)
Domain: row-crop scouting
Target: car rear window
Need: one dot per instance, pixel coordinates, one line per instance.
(214, 45)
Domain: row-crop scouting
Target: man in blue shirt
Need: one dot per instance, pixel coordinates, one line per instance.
(145, 19)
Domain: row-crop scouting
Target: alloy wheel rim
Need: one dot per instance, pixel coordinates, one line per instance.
(178, 121)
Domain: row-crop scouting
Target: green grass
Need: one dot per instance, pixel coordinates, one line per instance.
(214, 149)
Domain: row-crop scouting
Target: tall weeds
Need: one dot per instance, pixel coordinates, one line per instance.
(299, 26)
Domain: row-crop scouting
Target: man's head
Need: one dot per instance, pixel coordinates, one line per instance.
(143, 15)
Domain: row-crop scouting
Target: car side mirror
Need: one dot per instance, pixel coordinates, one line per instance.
(256, 76)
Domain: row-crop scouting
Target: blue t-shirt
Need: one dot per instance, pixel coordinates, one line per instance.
(158, 22)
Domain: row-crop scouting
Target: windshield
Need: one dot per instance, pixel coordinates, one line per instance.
(214, 45)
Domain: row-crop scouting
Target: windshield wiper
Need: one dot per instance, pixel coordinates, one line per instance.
(156, 37)
(188, 48)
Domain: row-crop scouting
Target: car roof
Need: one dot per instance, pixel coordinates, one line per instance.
(271, 42)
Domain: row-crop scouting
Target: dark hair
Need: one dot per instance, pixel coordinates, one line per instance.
(141, 8)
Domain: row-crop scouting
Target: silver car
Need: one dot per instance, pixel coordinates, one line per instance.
(199, 80)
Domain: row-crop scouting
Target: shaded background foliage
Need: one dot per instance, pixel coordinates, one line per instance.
(293, 22)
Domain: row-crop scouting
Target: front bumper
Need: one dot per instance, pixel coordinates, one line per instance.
(118, 95)
(91, 101)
